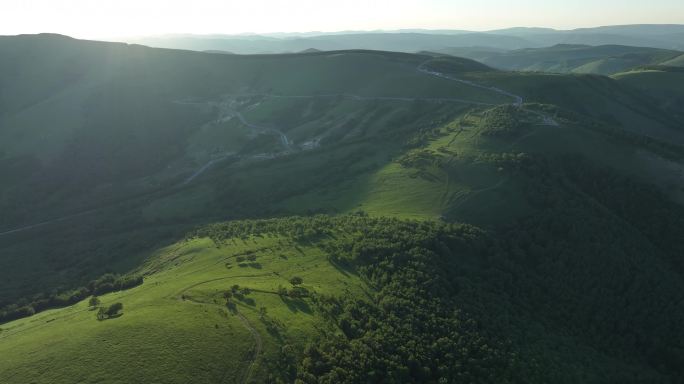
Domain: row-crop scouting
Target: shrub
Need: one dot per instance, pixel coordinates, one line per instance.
(114, 309)
(94, 302)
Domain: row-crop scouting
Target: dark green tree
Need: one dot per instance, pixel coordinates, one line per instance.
(102, 313)
(93, 302)
(114, 309)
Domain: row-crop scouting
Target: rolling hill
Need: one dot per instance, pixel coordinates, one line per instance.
(401, 42)
(347, 216)
(667, 37)
(662, 83)
(564, 58)
(675, 62)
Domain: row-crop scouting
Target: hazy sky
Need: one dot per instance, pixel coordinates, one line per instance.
(118, 18)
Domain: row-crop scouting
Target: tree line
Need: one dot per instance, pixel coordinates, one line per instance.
(105, 284)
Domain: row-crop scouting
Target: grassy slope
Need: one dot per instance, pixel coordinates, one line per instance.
(675, 62)
(663, 84)
(566, 58)
(196, 339)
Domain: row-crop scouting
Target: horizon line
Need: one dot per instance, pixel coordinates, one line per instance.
(312, 33)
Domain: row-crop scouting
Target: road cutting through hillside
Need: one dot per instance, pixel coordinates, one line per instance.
(518, 102)
(284, 140)
(228, 112)
(518, 99)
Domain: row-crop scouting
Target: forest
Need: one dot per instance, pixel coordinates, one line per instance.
(586, 289)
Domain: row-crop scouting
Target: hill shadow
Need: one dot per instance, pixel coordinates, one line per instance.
(297, 305)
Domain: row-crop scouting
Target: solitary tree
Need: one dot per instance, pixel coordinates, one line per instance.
(295, 281)
(114, 309)
(94, 302)
(102, 314)
(282, 291)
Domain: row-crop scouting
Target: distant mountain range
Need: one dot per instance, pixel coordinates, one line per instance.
(663, 36)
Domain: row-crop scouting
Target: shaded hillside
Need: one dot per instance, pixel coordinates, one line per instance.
(664, 84)
(564, 58)
(89, 125)
(675, 62)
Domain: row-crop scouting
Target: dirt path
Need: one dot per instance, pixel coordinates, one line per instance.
(518, 100)
(48, 222)
(189, 287)
(203, 169)
(258, 341)
(284, 140)
(258, 346)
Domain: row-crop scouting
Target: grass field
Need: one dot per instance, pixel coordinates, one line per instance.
(178, 318)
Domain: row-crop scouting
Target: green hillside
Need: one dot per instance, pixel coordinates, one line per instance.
(663, 84)
(449, 222)
(569, 58)
(179, 316)
(675, 62)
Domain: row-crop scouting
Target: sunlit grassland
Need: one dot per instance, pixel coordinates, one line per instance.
(176, 327)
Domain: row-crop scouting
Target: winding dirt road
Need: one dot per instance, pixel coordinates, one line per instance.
(48, 222)
(226, 112)
(258, 341)
(204, 168)
(518, 99)
(284, 140)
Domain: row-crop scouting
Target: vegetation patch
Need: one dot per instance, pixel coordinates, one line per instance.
(40, 302)
(504, 121)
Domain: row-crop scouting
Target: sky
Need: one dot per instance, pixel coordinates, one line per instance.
(130, 18)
